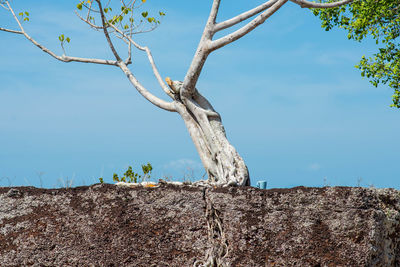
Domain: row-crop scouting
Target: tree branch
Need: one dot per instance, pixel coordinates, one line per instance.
(150, 58)
(129, 58)
(201, 54)
(205, 105)
(169, 106)
(105, 24)
(48, 51)
(214, 12)
(12, 31)
(88, 22)
(260, 19)
(308, 4)
(242, 17)
(89, 10)
(87, 60)
(196, 108)
(15, 17)
(3, 6)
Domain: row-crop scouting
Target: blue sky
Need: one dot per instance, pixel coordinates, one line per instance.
(290, 98)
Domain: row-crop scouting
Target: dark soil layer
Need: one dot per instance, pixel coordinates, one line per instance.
(106, 225)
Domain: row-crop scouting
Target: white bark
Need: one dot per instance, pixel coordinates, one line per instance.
(150, 58)
(260, 19)
(202, 52)
(63, 58)
(308, 4)
(12, 31)
(242, 17)
(169, 106)
(223, 164)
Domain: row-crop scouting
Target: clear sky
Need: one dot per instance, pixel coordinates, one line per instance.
(290, 98)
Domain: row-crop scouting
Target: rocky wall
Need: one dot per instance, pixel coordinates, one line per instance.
(172, 225)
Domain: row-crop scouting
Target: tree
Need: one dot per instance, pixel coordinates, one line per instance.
(223, 164)
(379, 19)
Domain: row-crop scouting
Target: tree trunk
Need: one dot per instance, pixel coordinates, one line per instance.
(222, 162)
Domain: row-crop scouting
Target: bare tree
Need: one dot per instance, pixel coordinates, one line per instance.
(221, 161)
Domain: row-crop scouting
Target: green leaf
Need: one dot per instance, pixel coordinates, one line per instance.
(371, 19)
(79, 6)
(144, 14)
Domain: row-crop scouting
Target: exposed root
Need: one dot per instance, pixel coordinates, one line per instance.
(208, 183)
(219, 248)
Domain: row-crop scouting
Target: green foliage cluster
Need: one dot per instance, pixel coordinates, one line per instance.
(24, 15)
(132, 177)
(379, 19)
(62, 38)
(122, 17)
(125, 10)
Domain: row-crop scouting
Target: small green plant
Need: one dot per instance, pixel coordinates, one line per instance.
(132, 177)
(101, 180)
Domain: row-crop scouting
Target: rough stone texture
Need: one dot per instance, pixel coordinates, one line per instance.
(106, 225)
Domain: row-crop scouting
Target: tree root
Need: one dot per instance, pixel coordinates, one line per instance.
(219, 247)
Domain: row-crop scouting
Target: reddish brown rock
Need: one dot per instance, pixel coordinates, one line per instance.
(106, 225)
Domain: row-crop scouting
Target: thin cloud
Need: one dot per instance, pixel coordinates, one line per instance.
(314, 167)
(180, 164)
(337, 57)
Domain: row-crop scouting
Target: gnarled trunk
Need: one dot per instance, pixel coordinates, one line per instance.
(223, 164)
